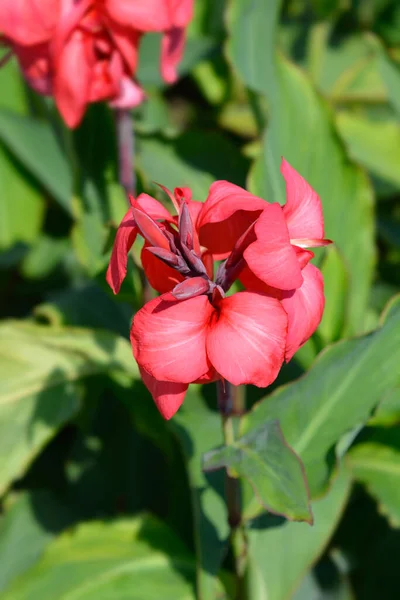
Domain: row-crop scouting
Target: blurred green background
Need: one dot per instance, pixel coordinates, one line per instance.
(100, 498)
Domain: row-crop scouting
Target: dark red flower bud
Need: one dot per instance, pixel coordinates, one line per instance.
(186, 229)
(150, 229)
(190, 288)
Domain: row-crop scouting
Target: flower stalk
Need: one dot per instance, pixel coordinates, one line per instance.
(232, 484)
(126, 149)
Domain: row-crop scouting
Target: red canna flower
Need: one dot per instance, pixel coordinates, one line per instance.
(84, 51)
(193, 332)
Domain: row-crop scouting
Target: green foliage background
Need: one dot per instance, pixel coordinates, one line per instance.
(100, 498)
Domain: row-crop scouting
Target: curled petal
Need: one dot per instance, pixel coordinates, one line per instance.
(167, 396)
(172, 47)
(124, 239)
(303, 208)
(247, 337)
(171, 338)
(304, 307)
(271, 257)
(130, 94)
(226, 214)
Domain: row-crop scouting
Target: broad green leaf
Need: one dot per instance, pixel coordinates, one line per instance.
(280, 552)
(338, 393)
(21, 205)
(31, 522)
(195, 159)
(139, 559)
(13, 91)
(388, 411)
(199, 430)
(377, 466)
(40, 372)
(311, 589)
(300, 128)
(34, 144)
(345, 70)
(275, 473)
(390, 73)
(44, 257)
(374, 144)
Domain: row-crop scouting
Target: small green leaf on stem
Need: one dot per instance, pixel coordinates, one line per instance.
(274, 471)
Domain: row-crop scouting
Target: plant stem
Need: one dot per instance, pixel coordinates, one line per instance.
(126, 149)
(232, 486)
(126, 157)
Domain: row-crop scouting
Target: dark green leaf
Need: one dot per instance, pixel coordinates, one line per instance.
(281, 551)
(40, 369)
(33, 519)
(34, 144)
(275, 473)
(335, 396)
(138, 559)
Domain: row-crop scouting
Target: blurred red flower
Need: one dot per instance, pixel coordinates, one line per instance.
(84, 51)
(194, 333)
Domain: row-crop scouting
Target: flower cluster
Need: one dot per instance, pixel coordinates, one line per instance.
(194, 332)
(83, 51)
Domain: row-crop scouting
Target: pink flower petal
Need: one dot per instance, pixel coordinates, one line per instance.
(226, 214)
(172, 47)
(28, 22)
(153, 208)
(142, 15)
(304, 307)
(303, 208)
(171, 338)
(72, 92)
(181, 12)
(271, 257)
(130, 94)
(167, 396)
(247, 337)
(124, 239)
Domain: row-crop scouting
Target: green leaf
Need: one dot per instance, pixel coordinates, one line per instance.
(376, 464)
(346, 70)
(275, 473)
(40, 372)
(390, 73)
(280, 552)
(374, 144)
(34, 144)
(139, 559)
(199, 429)
(338, 393)
(22, 205)
(300, 128)
(195, 159)
(388, 411)
(33, 519)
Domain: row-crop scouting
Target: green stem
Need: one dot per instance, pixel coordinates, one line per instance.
(232, 486)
